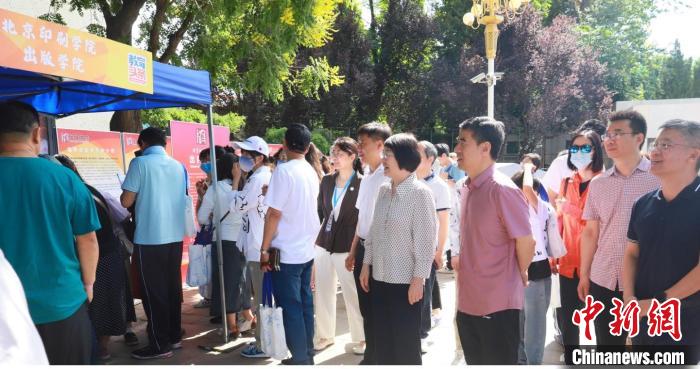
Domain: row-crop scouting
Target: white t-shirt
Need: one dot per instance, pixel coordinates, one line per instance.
(293, 190)
(441, 192)
(556, 173)
(367, 197)
(538, 223)
(20, 343)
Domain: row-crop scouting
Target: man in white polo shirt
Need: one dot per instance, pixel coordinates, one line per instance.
(443, 203)
(291, 226)
(370, 139)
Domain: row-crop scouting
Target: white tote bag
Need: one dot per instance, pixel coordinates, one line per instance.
(272, 335)
(190, 227)
(199, 267)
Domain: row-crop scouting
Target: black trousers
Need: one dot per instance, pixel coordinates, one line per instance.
(490, 340)
(161, 282)
(365, 304)
(569, 302)
(602, 321)
(68, 341)
(426, 302)
(396, 325)
(437, 299)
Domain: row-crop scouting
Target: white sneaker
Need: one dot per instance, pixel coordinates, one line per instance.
(423, 345)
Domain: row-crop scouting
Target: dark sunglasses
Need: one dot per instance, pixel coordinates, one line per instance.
(586, 149)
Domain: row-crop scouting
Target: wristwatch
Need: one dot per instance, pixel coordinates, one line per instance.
(661, 297)
(264, 252)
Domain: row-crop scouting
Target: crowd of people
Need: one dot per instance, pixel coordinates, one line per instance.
(378, 216)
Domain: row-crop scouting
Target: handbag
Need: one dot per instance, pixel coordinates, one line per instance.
(272, 335)
(199, 267)
(555, 244)
(205, 236)
(190, 228)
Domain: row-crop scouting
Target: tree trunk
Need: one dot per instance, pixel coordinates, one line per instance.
(126, 121)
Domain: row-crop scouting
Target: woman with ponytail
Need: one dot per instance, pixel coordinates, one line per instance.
(336, 202)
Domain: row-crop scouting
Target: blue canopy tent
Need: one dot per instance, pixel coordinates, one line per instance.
(172, 87)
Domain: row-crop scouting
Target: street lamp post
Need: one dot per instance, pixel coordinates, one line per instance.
(491, 13)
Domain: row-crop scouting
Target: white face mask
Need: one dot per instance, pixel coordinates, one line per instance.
(581, 160)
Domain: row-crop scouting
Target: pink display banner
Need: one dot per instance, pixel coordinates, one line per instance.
(188, 139)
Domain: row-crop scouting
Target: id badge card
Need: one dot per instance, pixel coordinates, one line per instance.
(329, 223)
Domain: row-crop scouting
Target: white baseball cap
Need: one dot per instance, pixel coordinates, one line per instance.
(253, 143)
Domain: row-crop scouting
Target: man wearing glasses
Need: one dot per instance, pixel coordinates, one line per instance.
(662, 258)
(607, 215)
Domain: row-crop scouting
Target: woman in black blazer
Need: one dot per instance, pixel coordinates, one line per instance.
(336, 202)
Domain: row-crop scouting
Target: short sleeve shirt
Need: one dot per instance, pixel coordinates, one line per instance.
(293, 191)
(668, 235)
(159, 183)
(49, 206)
(494, 213)
(441, 192)
(367, 197)
(610, 200)
(556, 172)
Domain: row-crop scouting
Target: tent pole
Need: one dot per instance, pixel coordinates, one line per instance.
(217, 221)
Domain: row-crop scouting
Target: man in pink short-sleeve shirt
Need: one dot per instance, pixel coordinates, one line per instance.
(496, 249)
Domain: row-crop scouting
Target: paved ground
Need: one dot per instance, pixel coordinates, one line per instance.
(200, 332)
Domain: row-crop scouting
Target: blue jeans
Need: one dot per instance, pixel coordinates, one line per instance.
(292, 292)
(533, 320)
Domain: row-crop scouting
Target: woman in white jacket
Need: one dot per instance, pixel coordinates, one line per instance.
(248, 203)
(233, 258)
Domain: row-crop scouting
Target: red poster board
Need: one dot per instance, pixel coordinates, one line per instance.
(98, 156)
(188, 139)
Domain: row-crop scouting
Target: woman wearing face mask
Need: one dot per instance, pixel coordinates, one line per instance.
(248, 203)
(336, 202)
(585, 158)
(232, 256)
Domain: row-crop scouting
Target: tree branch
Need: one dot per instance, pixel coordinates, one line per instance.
(106, 10)
(157, 25)
(175, 38)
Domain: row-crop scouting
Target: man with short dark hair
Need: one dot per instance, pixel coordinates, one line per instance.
(607, 214)
(496, 249)
(450, 170)
(370, 142)
(662, 258)
(156, 184)
(291, 227)
(48, 237)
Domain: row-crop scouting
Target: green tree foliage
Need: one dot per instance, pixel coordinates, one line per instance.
(250, 47)
(676, 75)
(318, 137)
(619, 30)
(162, 117)
(696, 79)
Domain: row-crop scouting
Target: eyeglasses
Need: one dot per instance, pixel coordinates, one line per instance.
(387, 154)
(615, 135)
(664, 146)
(586, 149)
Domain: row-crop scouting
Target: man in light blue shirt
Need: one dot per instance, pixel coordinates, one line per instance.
(156, 184)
